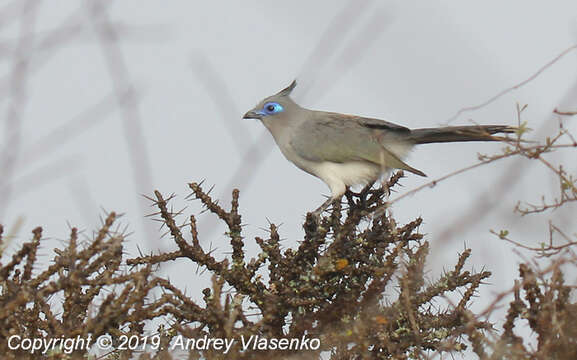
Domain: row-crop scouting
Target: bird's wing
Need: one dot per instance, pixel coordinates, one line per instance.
(379, 124)
(342, 138)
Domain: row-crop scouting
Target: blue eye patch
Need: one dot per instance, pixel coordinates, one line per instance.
(271, 108)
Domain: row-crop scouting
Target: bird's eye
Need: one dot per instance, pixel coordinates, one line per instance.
(272, 108)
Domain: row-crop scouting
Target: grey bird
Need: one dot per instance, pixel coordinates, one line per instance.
(347, 150)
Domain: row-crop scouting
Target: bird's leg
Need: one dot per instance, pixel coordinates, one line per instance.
(338, 189)
(323, 207)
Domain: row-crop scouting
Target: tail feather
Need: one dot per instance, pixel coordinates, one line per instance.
(459, 133)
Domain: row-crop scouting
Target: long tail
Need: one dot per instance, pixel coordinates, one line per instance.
(459, 133)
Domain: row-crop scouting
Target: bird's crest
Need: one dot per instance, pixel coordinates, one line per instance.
(286, 91)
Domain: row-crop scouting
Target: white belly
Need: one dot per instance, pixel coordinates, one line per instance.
(340, 175)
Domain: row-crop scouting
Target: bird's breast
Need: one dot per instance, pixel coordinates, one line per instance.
(349, 173)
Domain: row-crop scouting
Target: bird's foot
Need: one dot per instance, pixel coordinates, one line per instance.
(316, 215)
(323, 207)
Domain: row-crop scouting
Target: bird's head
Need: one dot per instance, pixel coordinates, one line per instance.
(274, 108)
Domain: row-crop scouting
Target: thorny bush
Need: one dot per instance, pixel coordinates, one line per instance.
(356, 282)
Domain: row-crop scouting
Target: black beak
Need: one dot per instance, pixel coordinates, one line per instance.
(252, 115)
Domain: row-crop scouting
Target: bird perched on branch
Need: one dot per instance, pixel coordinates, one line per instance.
(347, 150)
